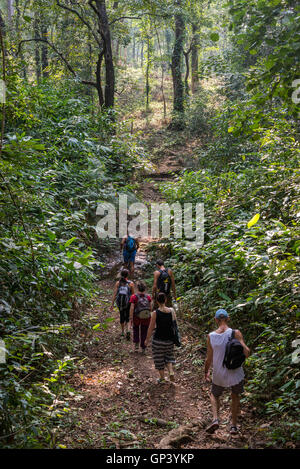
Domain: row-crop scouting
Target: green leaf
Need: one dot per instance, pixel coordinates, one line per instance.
(253, 220)
(214, 37)
(224, 296)
(70, 241)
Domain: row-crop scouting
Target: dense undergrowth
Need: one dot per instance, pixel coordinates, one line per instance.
(248, 181)
(64, 160)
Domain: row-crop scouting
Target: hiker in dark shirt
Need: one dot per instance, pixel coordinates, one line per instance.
(129, 246)
(123, 290)
(163, 339)
(163, 282)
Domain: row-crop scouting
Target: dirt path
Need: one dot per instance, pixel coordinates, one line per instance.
(118, 403)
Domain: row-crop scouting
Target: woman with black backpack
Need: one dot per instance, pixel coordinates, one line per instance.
(162, 320)
(140, 315)
(123, 290)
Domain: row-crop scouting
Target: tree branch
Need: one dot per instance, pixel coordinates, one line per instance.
(85, 82)
(85, 22)
(125, 17)
(93, 7)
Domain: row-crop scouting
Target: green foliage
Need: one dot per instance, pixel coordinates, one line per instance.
(59, 159)
(269, 31)
(249, 263)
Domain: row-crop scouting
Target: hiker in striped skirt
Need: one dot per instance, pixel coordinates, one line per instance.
(163, 339)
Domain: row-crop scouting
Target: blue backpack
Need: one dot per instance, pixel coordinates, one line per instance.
(130, 244)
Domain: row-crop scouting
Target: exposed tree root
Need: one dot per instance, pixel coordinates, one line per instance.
(179, 435)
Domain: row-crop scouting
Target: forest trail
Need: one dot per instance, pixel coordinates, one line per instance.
(118, 402)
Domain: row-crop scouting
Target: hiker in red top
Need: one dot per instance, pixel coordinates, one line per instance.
(140, 315)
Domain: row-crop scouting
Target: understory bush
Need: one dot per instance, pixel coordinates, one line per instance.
(249, 263)
(54, 171)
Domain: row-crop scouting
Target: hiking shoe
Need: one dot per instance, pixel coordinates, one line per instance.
(172, 378)
(233, 430)
(212, 427)
(160, 381)
(128, 335)
(136, 347)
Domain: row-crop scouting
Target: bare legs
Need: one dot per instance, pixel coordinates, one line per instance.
(215, 403)
(170, 371)
(235, 408)
(125, 327)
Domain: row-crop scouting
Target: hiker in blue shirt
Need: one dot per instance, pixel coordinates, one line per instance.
(129, 246)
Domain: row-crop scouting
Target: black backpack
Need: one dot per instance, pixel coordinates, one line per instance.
(234, 353)
(164, 282)
(123, 295)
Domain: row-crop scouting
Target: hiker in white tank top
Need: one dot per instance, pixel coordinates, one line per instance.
(223, 377)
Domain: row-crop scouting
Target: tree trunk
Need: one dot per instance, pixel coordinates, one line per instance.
(187, 73)
(168, 42)
(98, 79)
(148, 73)
(37, 55)
(117, 50)
(45, 62)
(133, 49)
(178, 104)
(109, 93)
(142, 54)
(162, 74)
(2, 25)
(195, 58)
(9, 10)
(18, 15)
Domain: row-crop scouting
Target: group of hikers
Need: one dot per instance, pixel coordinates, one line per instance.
(153, 319)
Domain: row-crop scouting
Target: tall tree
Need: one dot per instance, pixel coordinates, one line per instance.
(98, 26)
(37, 55)
(107, 51)
(177, 56)
(44, 55)
(195, 57)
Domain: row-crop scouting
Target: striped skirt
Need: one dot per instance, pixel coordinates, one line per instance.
(162, 352)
